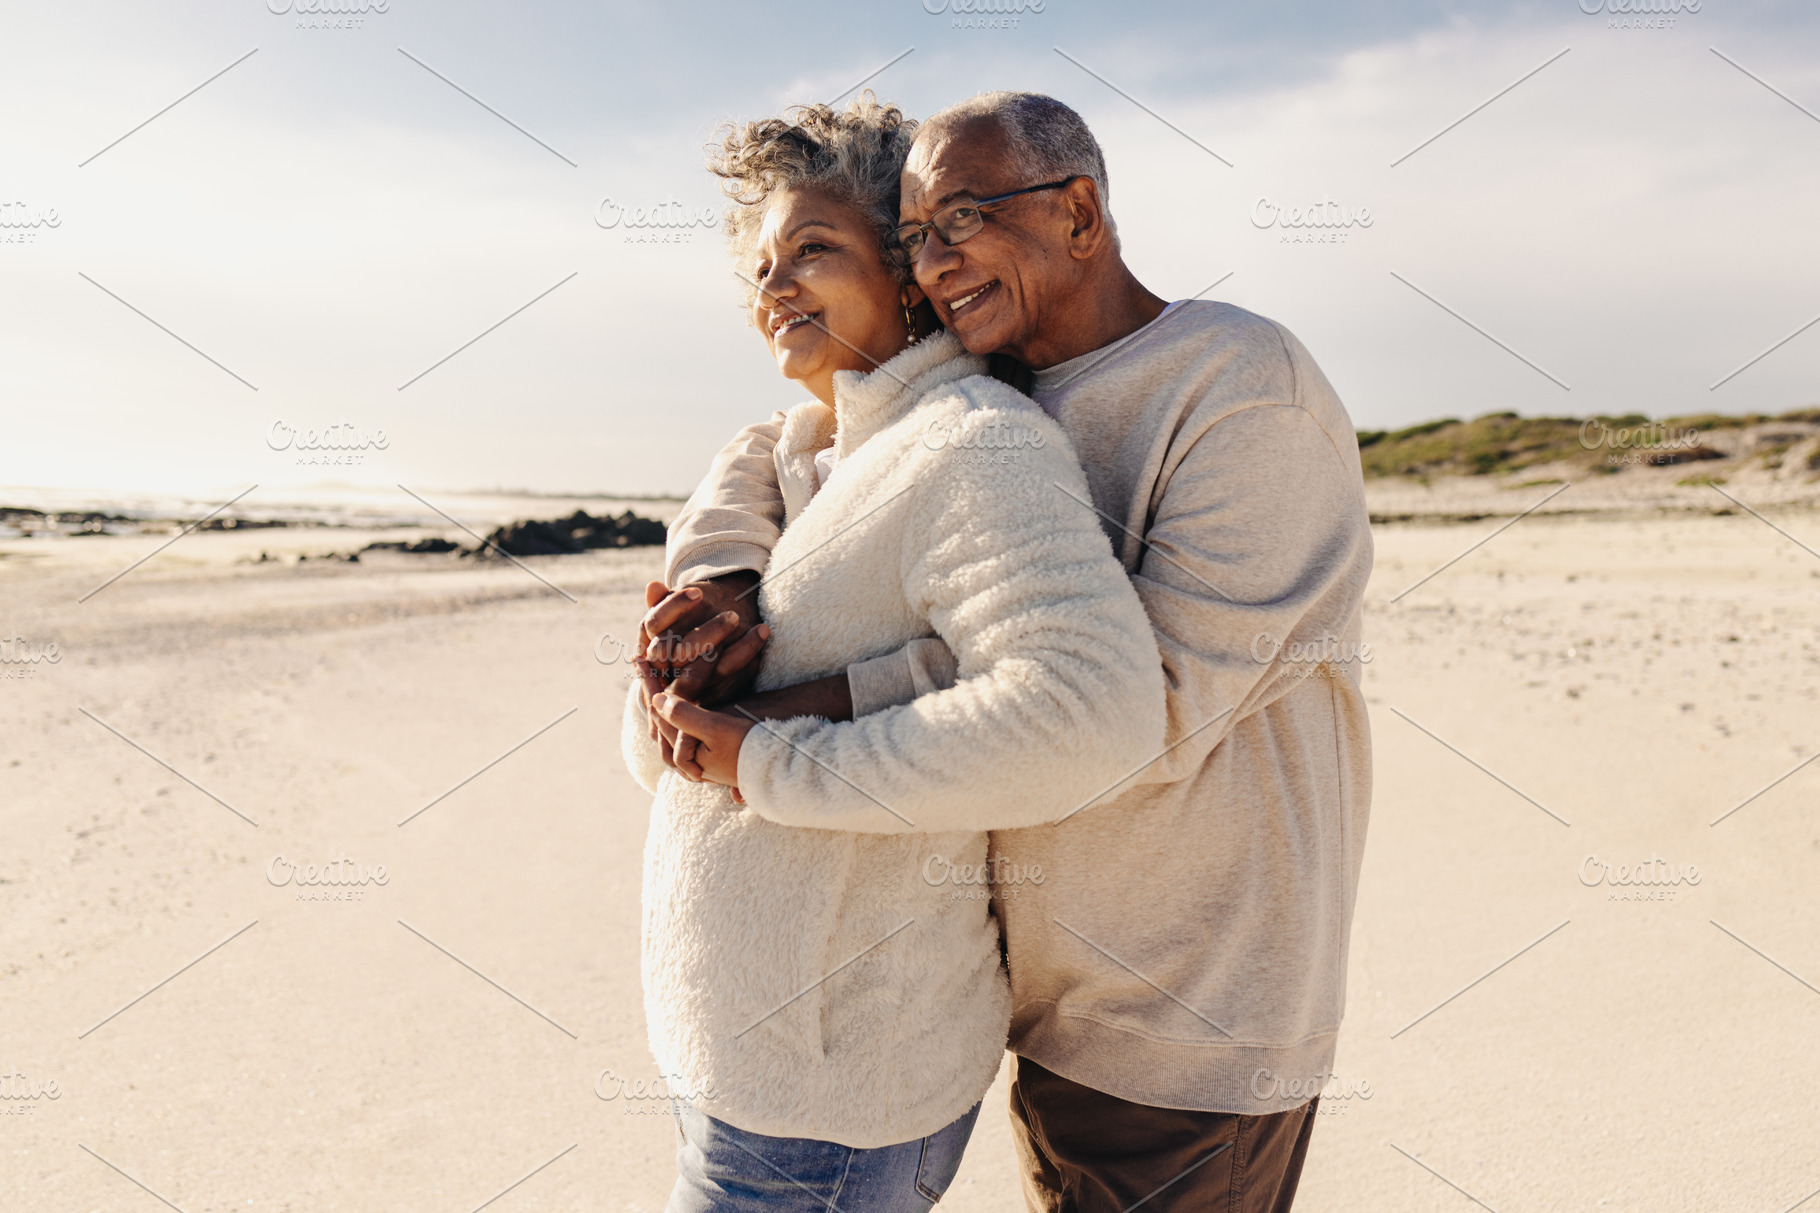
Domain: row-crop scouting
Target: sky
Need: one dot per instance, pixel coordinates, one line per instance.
(397, 221)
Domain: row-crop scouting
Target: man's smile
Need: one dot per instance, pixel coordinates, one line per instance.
(955, 305)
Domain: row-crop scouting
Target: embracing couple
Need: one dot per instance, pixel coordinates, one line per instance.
(966, 705)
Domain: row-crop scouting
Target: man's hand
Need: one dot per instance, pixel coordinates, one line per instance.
(718, 736)
(683, 632)
(693, 663)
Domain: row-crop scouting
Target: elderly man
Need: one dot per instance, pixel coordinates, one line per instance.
(1178, 972)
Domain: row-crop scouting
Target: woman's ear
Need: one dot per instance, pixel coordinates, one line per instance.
(913, 295)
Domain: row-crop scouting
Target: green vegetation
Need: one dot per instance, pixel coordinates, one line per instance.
(1504, 442)
(1496, 442)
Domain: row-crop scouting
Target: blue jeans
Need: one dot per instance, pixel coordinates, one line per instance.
(722, 1169)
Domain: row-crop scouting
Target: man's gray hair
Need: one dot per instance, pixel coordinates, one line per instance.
(1048, 139)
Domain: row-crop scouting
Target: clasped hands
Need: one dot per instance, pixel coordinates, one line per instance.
(698, 657)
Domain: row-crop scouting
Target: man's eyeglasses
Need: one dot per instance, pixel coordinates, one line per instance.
(958, 221)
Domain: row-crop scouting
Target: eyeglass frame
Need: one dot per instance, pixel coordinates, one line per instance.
(893, 243)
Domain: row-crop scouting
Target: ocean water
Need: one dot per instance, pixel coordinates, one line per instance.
(363, 507)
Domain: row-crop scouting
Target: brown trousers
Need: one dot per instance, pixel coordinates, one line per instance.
(1084, 1151)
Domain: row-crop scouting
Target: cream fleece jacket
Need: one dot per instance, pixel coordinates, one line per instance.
(838, 984)
(1187, 946)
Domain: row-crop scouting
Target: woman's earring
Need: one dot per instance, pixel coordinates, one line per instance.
(910, 319)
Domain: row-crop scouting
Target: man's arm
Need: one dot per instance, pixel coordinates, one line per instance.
(1259, 540)
(728, 527)
(1261, 508)
(716, 547)
(1059, 694)
(732, 520)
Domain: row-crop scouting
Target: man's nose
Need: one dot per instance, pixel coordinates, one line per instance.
(935, 258)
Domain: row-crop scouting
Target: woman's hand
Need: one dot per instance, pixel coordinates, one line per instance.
(717, 737)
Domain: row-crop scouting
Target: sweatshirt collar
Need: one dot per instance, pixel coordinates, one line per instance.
(866, 403)
(1062, 373)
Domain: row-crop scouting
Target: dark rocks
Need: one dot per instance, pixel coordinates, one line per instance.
(415, 545)
(579, 532)
(68, 522)
(240, 524)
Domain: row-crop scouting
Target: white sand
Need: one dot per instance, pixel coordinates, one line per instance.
(1636, 676)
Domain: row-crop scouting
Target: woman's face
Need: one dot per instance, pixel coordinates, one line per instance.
(826, 300)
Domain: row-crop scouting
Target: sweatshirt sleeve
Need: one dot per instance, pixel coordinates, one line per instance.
(733, 519)
(920, 667)
(1208, 666)
(1258, 549)
(1058, 691)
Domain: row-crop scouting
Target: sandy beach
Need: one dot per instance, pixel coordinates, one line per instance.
(1585, 690)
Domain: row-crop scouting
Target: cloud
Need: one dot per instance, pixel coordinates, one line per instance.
(329, 218)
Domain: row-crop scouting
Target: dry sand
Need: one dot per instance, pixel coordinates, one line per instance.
(1637, 676)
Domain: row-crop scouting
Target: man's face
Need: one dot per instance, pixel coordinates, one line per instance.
(992, 290)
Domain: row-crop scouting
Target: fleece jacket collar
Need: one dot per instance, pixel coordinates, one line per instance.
(867, 403)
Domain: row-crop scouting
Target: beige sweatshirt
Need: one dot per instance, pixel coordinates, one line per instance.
(1186, 944)
(844, 984)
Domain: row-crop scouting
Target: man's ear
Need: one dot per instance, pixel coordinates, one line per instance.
(1087, 218)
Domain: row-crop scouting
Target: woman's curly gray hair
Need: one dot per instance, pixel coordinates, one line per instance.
(857, 156)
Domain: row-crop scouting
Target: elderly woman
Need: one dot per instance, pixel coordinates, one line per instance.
(832, 1002)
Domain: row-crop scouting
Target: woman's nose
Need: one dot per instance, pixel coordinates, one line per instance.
(777, 284)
